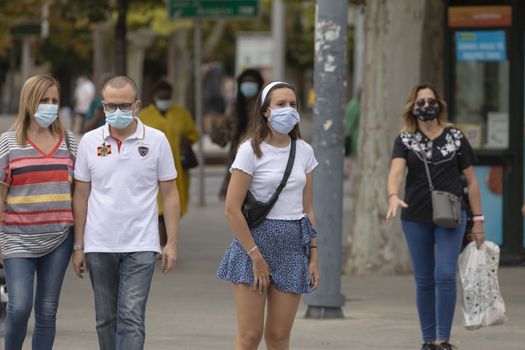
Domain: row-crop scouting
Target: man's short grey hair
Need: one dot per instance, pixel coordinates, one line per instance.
(119, 82)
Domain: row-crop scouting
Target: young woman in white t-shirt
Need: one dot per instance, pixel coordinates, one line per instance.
(276, 261)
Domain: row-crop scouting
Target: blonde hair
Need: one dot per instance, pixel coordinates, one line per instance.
(32, 92)
(410, 120)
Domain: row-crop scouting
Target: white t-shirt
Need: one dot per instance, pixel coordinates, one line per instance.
(267, 173)
(122, 205)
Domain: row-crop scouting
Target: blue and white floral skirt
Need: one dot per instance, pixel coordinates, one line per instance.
(284, 245)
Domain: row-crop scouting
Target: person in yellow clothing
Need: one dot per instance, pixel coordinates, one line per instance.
(178, 126)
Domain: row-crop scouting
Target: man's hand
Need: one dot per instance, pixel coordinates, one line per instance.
(169, 256)
(79, 263)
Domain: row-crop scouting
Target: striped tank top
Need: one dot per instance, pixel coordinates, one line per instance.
(37, 211)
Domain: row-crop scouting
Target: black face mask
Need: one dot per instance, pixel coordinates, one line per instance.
(426, 114)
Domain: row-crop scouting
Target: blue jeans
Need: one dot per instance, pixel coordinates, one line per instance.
(121, 283)
(20, 275)
(434, 251)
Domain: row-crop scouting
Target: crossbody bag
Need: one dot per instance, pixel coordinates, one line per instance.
(255, 211)
(446, 206)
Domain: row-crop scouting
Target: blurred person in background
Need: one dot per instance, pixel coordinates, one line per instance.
(177, 124)
(213, 103)
(237, 119)
(95, 116)
(36, 158)
(84, 94)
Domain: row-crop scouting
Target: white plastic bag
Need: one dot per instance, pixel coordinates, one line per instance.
(482, 303)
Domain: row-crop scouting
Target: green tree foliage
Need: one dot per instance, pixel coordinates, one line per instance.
(14, 13)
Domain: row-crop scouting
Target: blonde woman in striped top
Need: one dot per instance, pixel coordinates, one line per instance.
(36, 167)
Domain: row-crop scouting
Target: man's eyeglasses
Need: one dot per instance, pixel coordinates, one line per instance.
(421, 102)
(112, 107)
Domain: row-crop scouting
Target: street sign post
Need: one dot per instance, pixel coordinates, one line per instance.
(212, 8)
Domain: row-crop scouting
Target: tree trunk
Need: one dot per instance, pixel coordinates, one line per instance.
(120, 38)
(432, 42)
(179, 64)
(397, 38)
(98, 54)
(179, 67)
(214, 38)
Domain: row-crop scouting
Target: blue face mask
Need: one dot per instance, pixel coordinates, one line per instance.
(119, 119)
(249, 88)
(284, 119)
(163, 105)
(46, 114)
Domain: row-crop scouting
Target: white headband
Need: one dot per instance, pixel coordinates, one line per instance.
(267, 89)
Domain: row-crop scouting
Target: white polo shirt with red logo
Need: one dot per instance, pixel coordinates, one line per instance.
(122, 206)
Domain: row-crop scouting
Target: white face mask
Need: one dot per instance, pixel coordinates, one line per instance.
(284, 119)
(249, 88)
(163, 105)
(46, 114)
(119, 119)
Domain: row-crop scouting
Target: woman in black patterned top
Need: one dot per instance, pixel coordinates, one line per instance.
(434, 249)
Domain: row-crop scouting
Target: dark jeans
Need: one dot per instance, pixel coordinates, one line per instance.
(20, 275)
(121, 283)
(434, 251)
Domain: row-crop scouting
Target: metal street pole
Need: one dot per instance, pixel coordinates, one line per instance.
(278, 37)
(198, 105)
(330, 94)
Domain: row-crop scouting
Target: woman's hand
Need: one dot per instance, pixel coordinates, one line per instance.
(478, 233)
(313, 272)
(394, 202)
(261, 272)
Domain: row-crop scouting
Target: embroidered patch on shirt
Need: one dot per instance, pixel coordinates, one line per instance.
(103, 150)
(143, 150)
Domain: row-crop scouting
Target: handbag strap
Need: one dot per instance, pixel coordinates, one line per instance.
(427, 170)
(287, 172)
(68, 145)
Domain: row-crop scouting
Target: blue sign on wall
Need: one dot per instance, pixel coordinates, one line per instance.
(481, 46)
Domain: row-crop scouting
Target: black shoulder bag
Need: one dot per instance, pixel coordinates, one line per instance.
(255, 211)
(446, 206)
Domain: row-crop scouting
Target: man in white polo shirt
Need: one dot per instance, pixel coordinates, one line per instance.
(119, 169)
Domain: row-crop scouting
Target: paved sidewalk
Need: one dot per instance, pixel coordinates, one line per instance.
(191, 309)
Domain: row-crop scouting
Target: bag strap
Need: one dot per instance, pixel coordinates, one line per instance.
(68, 145)
(287, 172)
(424, 156)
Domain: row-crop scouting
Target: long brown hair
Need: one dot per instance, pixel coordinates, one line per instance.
(410, 120)
(259, 127)
(32, 92)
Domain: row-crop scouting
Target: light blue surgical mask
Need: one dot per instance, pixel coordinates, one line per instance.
(284, 119)
(163, 105)
(249, 88)
(46, 114)
(119, 119)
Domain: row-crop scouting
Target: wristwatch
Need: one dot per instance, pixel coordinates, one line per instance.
(478, 218)
(78, 247)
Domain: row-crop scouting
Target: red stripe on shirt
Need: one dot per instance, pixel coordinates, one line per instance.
(13, 218)
(22, 162)
(37, 177)
(38, 223)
